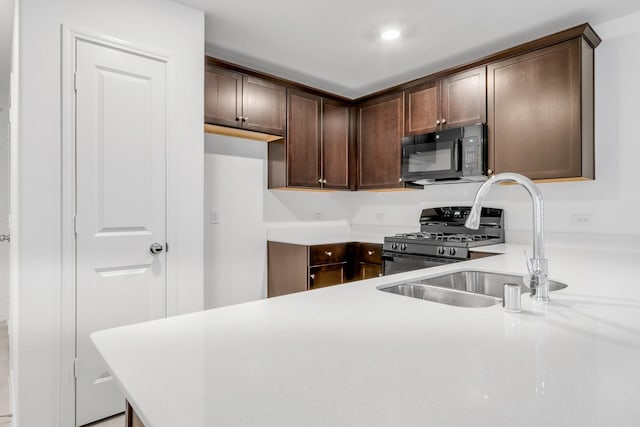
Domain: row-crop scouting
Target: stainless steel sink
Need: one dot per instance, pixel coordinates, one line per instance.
(465, 288)
(441, 295)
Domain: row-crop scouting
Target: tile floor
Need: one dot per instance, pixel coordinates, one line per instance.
(115, 421)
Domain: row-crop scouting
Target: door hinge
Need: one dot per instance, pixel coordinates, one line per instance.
(75, 368)
(166, 247)
(75, 81)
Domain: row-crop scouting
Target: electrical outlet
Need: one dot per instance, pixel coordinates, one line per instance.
(583, 219)
(318, 215)
(214, 216)
(379, 216)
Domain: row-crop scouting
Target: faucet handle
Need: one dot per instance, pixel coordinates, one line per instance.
(528, 261)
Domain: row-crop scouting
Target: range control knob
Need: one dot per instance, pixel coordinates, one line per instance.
(394, 246)
(440, 250)
(452, 251)
(403, 247)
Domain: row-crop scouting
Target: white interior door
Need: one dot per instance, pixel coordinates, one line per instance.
(120, 208)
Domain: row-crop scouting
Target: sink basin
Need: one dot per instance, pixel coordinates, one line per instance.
(442, 295)
(463, 288)
(481, 282)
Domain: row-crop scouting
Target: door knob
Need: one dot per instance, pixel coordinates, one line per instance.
(156, 248)
(5, 237)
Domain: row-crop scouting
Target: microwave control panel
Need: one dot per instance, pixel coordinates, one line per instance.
(472, 156)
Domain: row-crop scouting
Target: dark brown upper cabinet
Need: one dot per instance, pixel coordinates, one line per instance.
(243, 101)
(380, 131)
(304, 161)
(455, 100)
(540, 119)
(317, 141)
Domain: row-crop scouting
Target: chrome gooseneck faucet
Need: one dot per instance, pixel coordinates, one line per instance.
(538, 266)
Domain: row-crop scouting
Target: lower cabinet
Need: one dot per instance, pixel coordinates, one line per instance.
(367, 261)
(296, 268)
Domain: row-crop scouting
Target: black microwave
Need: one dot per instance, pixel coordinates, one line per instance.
(458, 154)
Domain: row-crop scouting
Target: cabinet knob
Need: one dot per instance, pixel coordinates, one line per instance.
(324, 181)
(370, 253)
(444, 121)
(490, 171)
(437, 122)
(238, 118)
(328, 253)
(312, 276)
(244, 119)
(320, 181)
(399, 179)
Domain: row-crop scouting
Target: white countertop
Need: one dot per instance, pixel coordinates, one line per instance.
(351, 355)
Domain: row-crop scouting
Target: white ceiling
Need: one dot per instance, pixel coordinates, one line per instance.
(334, 44)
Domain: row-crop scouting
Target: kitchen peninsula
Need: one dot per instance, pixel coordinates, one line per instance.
(352, 355)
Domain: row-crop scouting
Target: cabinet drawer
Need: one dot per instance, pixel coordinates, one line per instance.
(370, 253)
(326, 275)
(327, 254)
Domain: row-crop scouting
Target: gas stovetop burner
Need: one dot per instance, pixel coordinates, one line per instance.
(467, 237)
(443, 234)
(421, 236)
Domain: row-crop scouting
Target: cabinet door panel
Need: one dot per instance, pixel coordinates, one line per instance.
(303, 140)
(287, 269)
(380, 131)
(335, 144)
(263, 106)
(534, 113)
(423, 108)
(369, 271)
(464, 98)
(326, 275)
(222, 90)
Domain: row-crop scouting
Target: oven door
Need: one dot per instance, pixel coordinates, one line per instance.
(431, 160)
(399, 263)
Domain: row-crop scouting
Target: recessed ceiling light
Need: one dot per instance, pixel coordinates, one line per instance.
(390, 35)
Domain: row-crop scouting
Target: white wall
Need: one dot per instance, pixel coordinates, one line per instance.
(159, 26)
(235, 246)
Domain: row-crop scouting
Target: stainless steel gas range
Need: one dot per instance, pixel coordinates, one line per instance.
(443, 239)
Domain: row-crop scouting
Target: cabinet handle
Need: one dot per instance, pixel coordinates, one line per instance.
(328, 253)
(324, 181)
(437, 122)
(244, 119)
(238, 118)
(320, 181)
(444, 121)
(370, 252)
(312, 276)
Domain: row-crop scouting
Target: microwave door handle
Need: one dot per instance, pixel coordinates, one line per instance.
(457, 155)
